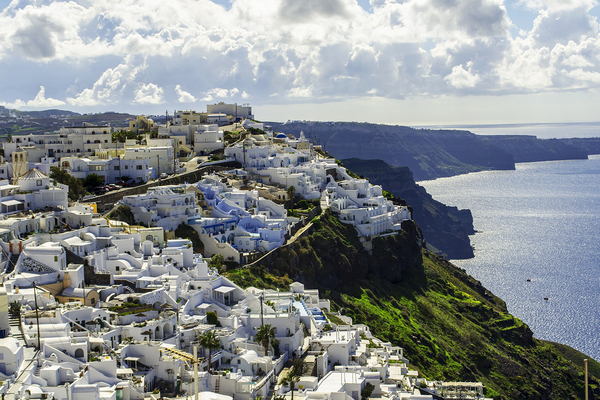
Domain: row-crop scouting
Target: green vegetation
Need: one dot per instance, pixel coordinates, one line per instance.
(259, 277)
(209, 340)
(450, 326)
(211, 318)
(122, 136)
(264, 336)
(76, 189)
(231, 137)
(217, 262)
(185, 231)
(291, 379)
(334, 319)
(92, 180)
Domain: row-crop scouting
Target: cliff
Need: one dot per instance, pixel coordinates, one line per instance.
(432, 154)
(445, 228)
(451, 327)
(530, 149)
(429, 154)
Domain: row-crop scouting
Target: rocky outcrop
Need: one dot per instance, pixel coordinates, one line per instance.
(445, 228)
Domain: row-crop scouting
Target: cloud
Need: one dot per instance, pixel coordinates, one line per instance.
(111, 85)
(40, 101)
(219, 93)
(300, 11)
(149, 94)
(18, 103)
(184, 97)
(461, 78)
(100, 53)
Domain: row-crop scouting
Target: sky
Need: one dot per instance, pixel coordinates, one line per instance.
(408, 62)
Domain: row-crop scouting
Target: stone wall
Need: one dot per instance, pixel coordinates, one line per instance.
(106, 201)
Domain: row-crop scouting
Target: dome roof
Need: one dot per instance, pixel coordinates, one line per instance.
(281, 136)
(34, 173)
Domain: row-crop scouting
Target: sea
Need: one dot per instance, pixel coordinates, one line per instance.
(537, 240)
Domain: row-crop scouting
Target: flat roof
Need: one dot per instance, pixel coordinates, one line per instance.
(12, 202)
(224, 289)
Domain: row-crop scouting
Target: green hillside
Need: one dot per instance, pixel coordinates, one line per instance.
(450, 326)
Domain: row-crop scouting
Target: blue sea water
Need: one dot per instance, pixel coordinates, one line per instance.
(540, 222)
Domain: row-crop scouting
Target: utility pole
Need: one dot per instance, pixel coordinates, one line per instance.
(196, 370)
(262, 322)
(37, 316)
(586, 378)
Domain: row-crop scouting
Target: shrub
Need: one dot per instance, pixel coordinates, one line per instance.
(211, 318)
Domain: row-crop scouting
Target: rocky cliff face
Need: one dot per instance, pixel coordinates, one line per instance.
(429, 154)
(529, 148)
(445, 228)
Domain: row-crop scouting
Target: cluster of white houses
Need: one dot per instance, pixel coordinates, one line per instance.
(131, 330)
(105, 310)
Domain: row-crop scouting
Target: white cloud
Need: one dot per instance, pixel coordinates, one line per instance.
(217, 93)
(40, 100)
(461, 78)
(149, 94)
(18, 103)
(109, 88)
(184, 97)
(111, 53)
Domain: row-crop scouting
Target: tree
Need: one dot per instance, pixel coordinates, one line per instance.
(76, 189)
(209, 341)
(211, 318)
(14, 309)
(264, 335)
(291, 191)
(367, 391)
(217, 261)
(92, 181)
(291, 379)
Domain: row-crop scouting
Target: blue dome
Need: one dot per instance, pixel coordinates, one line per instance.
(280, 136)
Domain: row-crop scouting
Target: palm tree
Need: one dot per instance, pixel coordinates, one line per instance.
(209, 340)
(291, 191)
(264, 335)
(290, 380)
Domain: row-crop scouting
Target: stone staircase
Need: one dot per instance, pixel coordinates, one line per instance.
(12, 261)
(271, 392)
(15, 328)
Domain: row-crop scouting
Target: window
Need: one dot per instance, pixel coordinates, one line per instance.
(127, 167)
(116, 167)
(55, 258)
(117, 267)
(106, 141)
(38, 182)
(138, 167)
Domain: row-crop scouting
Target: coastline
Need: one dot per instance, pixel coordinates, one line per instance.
(508, 251)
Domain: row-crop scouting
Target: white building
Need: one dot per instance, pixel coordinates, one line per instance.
(164, 206)
(238, 112)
